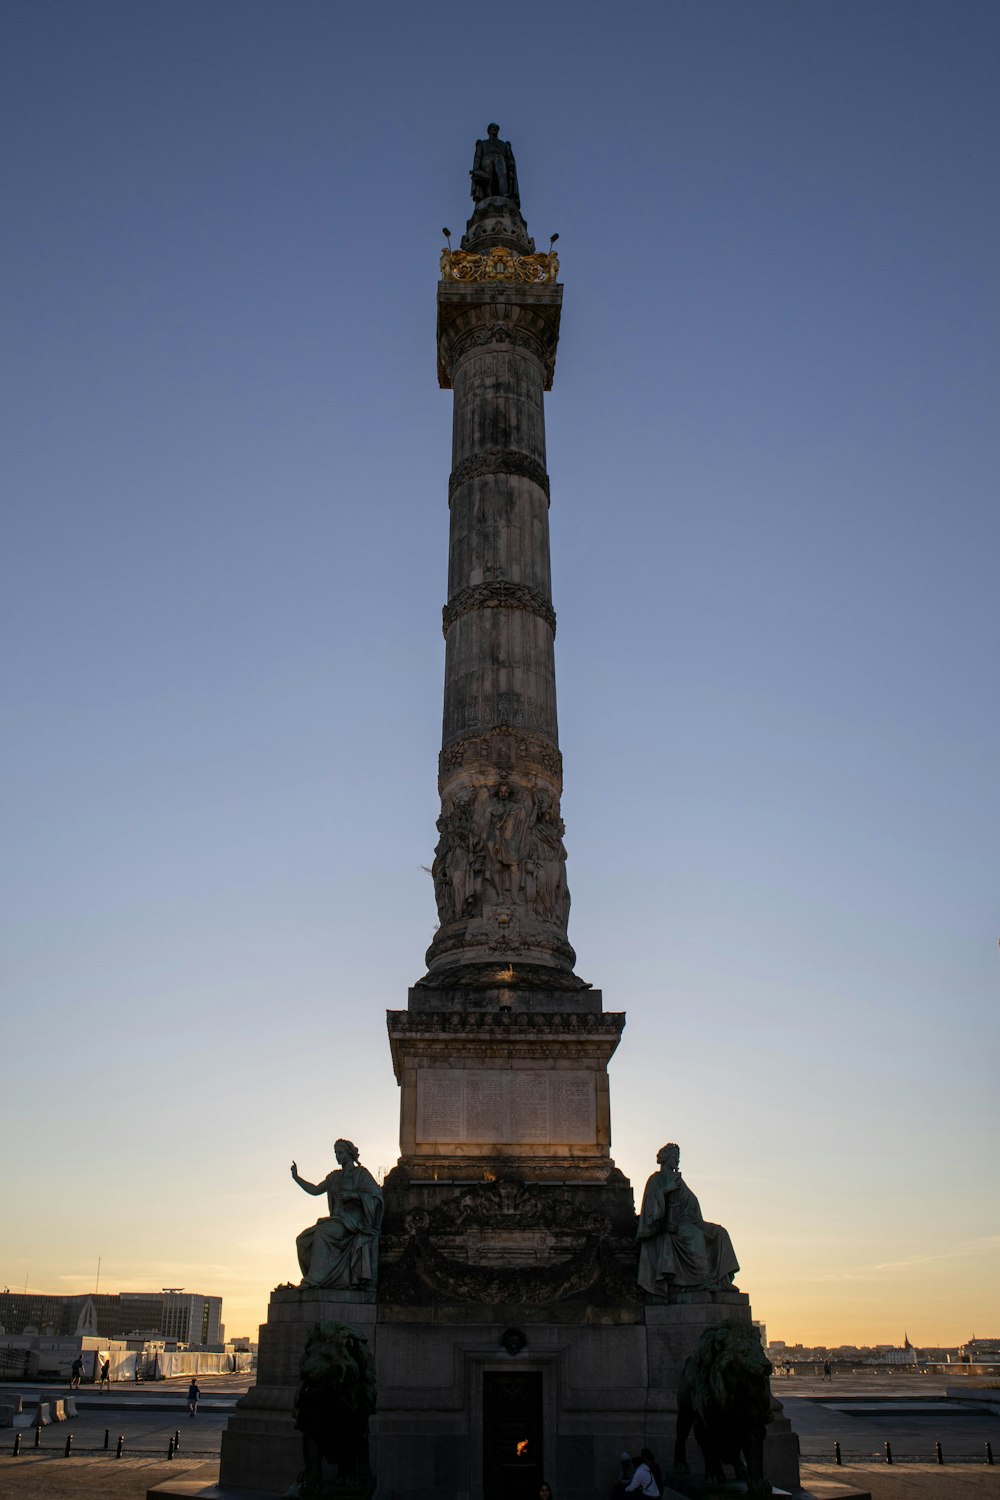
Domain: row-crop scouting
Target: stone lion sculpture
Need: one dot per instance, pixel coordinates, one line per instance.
(333, 1403)
(725, 1396)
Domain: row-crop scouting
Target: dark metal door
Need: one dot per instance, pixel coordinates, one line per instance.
(512, 1434)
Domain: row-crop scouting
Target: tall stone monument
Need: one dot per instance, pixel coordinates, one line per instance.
(514, 1340)
(525, 1324)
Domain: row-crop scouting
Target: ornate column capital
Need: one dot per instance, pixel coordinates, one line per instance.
(497, 315)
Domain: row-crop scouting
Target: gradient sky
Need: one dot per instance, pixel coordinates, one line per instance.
(773, 450)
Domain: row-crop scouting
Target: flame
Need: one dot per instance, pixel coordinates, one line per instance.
(522, 1447)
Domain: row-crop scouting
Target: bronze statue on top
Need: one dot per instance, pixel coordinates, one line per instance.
(494, 173)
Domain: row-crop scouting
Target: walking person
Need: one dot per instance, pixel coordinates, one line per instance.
(643, 1482)
(105, 1373)
(194, 1396)
(77, 1373)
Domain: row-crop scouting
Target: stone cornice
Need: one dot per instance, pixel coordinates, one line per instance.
(497, 594)
(497, 461)
(457, 1036)
(530, 1025)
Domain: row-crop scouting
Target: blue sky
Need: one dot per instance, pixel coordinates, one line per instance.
(773, 450)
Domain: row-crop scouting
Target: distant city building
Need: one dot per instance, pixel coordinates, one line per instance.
(980, 1351)
(184, 1317)
(977, 1351)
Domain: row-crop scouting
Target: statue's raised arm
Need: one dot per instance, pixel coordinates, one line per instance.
(308, 1187)
(341, 1251)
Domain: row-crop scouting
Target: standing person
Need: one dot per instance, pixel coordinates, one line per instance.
(827, 1372)
(642, 1482)
(77, 1372)
(194, 1396)
(105, 1373)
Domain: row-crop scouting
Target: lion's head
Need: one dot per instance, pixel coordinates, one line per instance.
(337, 1358)
(729, 1367)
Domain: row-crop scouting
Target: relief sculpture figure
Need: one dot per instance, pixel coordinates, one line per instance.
(501, 844)
(545, 885)
(494, 174)
(510, 818)
(457, 868)
(341, 1250)
(678, 1249)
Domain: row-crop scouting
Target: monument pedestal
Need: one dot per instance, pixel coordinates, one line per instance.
(261, 1450)
(579, 1380)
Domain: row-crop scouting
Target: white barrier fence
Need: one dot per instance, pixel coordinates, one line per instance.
(191, 1362)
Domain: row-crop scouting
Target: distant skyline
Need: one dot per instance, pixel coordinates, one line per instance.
(773, 450)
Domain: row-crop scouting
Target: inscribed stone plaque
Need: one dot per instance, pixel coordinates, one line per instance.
(485, 1106)
(506, 1106)
(439, 1104)
(573, 1106)
(529, 1108)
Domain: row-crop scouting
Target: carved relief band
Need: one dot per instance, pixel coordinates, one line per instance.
(502, 748)
(498, 461)
(506, 1106)
(497, 594)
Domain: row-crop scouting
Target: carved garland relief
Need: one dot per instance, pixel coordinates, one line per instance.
(502, 748)
(497, 461)
(497, 594)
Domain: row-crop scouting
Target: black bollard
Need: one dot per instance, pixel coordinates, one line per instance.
(836, 1455)
(121, 1446)
(38, 1435)
(989, 1453)
(888, 1452)
(107, 1437)
(177, 1437)
(69, 1445)
(938, 1454)
(17, 1444)
(170, 1448)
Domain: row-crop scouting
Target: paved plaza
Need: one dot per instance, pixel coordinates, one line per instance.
(861, 1413)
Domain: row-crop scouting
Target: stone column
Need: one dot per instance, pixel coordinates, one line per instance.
(500, 863)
